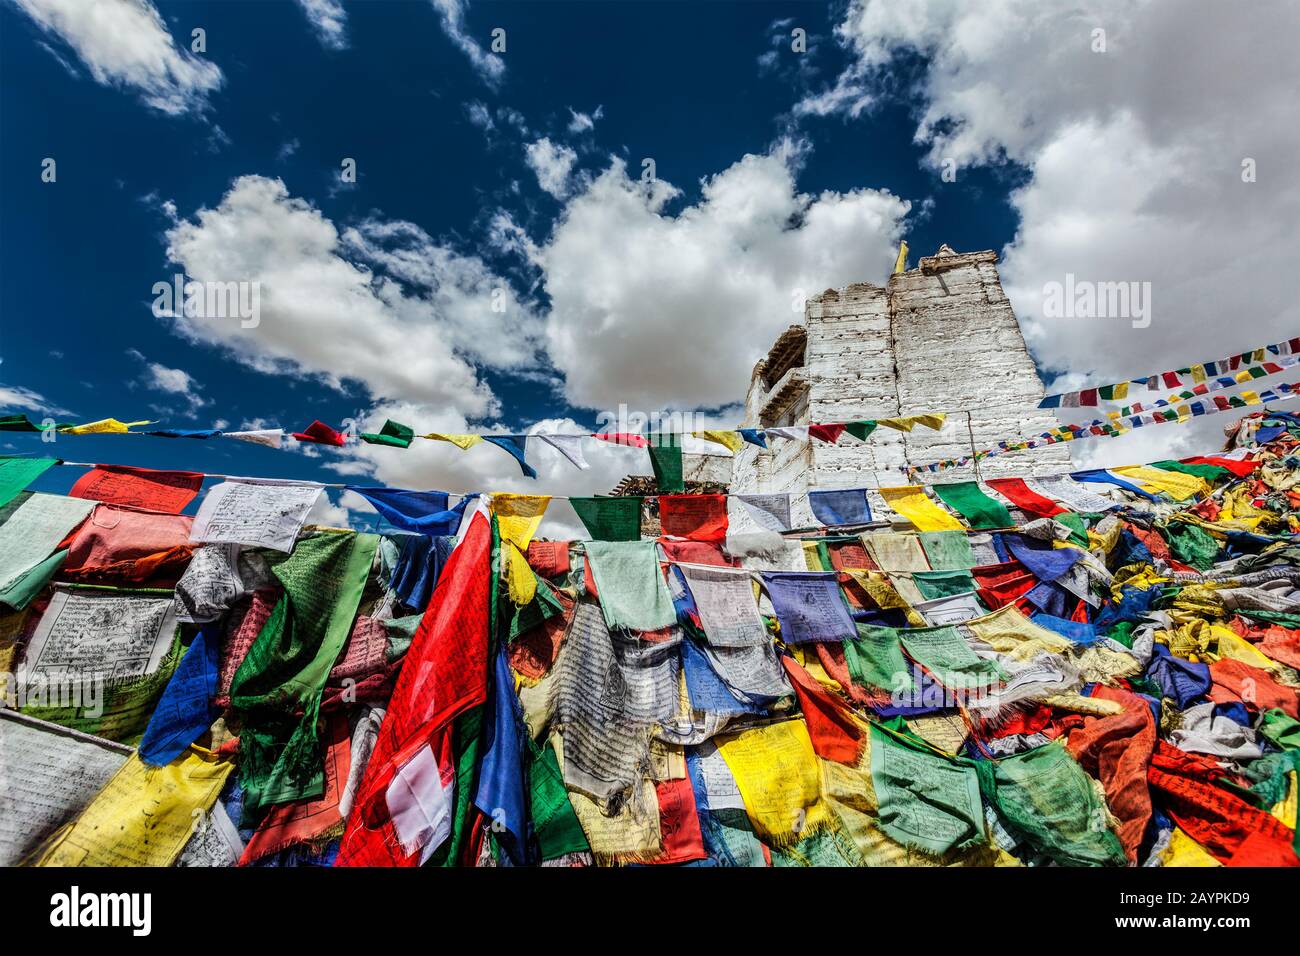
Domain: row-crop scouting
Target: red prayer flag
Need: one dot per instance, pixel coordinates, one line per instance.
(549, 559)
(679, 823)
(835, 734)
(167, 491)
(1238, 467)
(445, 674)
(1117, 751)
(623, 438)
(1236, 680)
(119, 544)
(698, 517)
(697, 552)
(320, 433)
(1228, 827)
(305, 820)
(827, 433)
(1018, 493)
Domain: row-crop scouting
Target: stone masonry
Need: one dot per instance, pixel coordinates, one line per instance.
(940, 337)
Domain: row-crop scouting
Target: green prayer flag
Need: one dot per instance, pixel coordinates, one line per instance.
(947, 550)
(544, 606)
(26, 586)
(875, 660)
(1190, 544)
(20, 423)
(1282, 729)
(393, 433)
(610, 518)
(946, 655)
(555, 824)
(926, 802)
(941, 584)
(828, 846)
(467, 745)
(861, 430)
(17, 473)
(666, 459)
(1078, 527)
(979, 510)
(1210, 473)
(1044, 795)
(633, 595)
(288, 662)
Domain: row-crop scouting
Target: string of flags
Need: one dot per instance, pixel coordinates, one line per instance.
(1116, 424)
(665, 446)
(1203, 377)
(938, 507)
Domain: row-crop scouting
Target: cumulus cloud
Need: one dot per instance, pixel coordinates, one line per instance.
(552, 163)
(671, 310)
(126, 44)
(381, 304)
(489, 66)
(328, 20)
(1135, 155)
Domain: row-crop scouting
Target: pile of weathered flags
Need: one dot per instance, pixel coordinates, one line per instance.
(1100, 669)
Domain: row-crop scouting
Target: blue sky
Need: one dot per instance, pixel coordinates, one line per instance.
(519, 173)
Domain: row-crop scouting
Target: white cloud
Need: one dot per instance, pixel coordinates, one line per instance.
(173, 381)
(584, 122)
(672, 311)
(489, 66)
(25, 399)
(1135, 155)
(329, 511)
(553, 164)
(480, 116)
(329, 21)
(125, 43)
(410, 333)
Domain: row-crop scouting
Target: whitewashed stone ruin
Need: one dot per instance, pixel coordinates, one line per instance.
(936, 338)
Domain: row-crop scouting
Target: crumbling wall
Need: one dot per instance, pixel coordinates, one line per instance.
(939, 337)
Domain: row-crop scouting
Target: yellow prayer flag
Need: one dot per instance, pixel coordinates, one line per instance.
(1285, 809)
(105, 426)
(1198, 374)
(907, 423)
(900, 264)
(1174, 483)
(911, 502)
(517, 519)
(731, 440)
(144, 816)
(1251, 398)
(1119, 391)
(812, 557)
(1183, 851)
(779, 780)
(1009, 632)
(464, 442)
(1238, 648)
